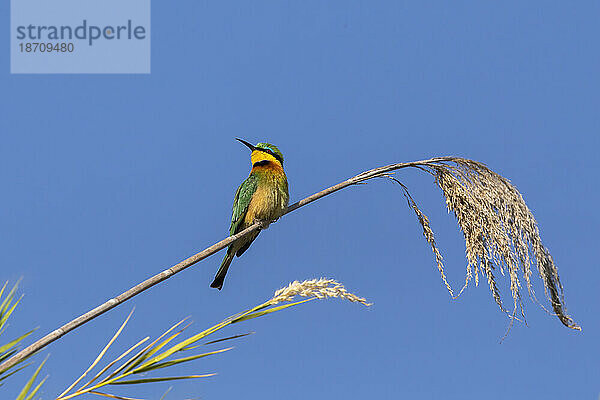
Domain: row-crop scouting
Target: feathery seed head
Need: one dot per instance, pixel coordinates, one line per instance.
(500, 231)
(318, 288)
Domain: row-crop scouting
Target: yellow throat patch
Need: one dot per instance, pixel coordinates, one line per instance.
(258, 156)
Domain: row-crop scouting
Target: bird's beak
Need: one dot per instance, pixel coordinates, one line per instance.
(250, 146)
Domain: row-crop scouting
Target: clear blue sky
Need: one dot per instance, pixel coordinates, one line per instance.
(110, 179)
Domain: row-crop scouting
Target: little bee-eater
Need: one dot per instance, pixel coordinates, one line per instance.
(263, 196)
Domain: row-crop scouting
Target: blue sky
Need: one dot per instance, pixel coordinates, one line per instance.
(108, 179)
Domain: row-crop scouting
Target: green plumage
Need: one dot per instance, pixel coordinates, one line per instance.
(243, 196)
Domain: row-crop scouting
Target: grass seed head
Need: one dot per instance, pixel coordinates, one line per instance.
(318, 288)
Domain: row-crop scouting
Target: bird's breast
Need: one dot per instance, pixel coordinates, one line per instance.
(269, 201)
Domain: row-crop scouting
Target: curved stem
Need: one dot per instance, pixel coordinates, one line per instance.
(156, 279)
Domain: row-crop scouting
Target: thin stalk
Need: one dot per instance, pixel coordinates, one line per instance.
(188, 262)
(439, 167)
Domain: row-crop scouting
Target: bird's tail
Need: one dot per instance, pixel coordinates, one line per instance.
(220, 277)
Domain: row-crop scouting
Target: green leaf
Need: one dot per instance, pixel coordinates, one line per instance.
(152, 367)
(112, 396)
(269, 311)
(141, 353)
(4, 317)
(116, 360)
(99, 357)
(150, 380)
(7, 300)
(3, 287)
(14, 342)
(228, 338)
(26, 389)
(152, 351)
(187, 348)
(34, 391)
(185, 343)
(6, 304)
(6, 355)
(3, 304)
(13, 372)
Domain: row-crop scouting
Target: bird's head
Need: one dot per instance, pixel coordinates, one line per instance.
(264, 153)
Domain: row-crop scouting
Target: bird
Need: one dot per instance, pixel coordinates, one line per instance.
(263, 196)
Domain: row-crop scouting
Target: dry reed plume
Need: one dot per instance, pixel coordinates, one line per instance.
(499, 229)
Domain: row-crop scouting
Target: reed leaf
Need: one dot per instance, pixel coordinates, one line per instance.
(35, 390)
(221, 340)
(4, 348)
(153, 350)
(8, 304)
(124, 354)
(14, 371)
(27, 393)
(153, 380)
(113, 396)
(156, 366)
(269, 311)
(97, 360)
(143, 351)
(150, 358)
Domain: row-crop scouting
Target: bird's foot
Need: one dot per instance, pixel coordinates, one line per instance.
(264, 224)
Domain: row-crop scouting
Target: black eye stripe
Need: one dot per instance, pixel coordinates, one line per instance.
(269, 151)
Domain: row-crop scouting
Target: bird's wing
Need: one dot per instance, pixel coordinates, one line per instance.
(241, 202)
